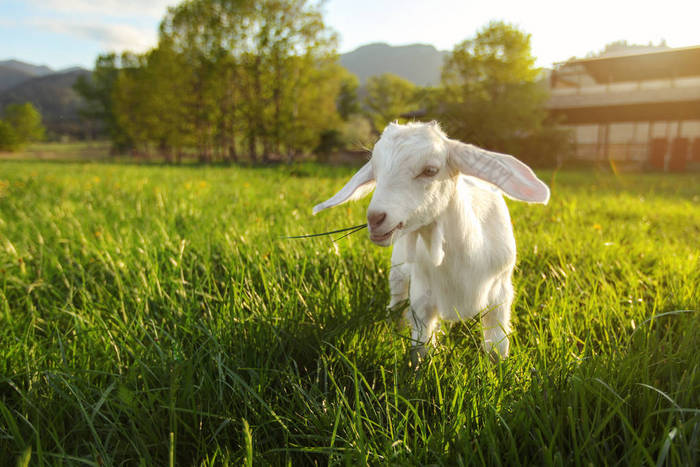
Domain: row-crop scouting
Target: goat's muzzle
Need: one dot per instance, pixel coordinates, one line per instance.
(384, 239)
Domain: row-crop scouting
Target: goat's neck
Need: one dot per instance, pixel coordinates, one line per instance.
(450, 232)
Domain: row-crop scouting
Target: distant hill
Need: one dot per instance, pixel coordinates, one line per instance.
(28, 68)
(418, 63)
(11, 77)
(13, 72)
(53, 95)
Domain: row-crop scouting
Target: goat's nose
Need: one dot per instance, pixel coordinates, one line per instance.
(375, 219)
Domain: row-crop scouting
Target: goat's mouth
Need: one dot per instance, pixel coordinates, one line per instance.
(382, 238)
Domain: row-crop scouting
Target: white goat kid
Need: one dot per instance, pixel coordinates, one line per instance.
(454, 249)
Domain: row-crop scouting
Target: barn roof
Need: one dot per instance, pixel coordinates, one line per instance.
(661, 64)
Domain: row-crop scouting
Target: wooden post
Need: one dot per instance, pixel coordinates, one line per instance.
(667, 156)
(650, 135)
(678, 137)
(606, 147)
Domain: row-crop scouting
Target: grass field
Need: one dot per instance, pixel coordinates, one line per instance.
(58, 151)
(152, 315)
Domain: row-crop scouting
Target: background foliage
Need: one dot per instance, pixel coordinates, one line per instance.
(492, 96)
(260, 80)
(21, 124)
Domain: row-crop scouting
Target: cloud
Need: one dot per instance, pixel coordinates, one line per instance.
(110, 36)
(114, 8)
(115, 25)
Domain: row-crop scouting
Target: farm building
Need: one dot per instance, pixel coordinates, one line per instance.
(640, 109)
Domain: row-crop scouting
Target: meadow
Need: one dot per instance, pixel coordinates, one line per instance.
(153, 315)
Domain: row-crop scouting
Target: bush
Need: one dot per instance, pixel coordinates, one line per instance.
(26, 121)
(548, 147)
(357, 133)
(22, 124)
(8, 137)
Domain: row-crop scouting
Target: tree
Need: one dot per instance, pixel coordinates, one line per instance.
(348, 103)
(8, 137)
(292, 70)
(148, 102)
(357, 134)
(98, 94)
(165, 77)
(388, 97)
(252, 61)
(199, 33)
(21, 125)
(25, 119)
(226, 75)
(130, 103)
(491, 94)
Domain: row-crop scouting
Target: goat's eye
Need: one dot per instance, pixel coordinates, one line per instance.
(429, 172)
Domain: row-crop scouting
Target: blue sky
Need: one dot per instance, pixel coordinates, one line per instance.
(64, 33)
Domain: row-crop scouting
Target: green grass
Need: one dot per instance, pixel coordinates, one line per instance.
(152, 314)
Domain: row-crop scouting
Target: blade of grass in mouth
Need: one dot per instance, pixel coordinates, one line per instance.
(359, 227)
(353, 229)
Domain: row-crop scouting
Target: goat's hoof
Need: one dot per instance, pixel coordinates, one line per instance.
(496, 354)
(418, 354)
(391, 316)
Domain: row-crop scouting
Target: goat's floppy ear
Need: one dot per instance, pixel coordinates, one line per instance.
(514, 178)
(359, 185)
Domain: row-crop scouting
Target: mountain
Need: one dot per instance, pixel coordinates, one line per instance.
(53, 96)
(418, 63)
(13, 72)
(28, 68)
(10, 77)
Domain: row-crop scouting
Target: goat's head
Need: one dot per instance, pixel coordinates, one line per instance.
(414, 172)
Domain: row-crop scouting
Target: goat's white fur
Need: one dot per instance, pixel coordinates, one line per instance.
(454, 249)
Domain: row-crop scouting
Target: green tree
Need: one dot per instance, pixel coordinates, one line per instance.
(226, 75)
(251, 61)
(348, 102)
(388, 97)
(98, 93)
(25, 120)
(8, 137)
(130, 104)
(165, 105)
(357, 134)
(291, 68)
(148, 101)
(492, 94)
(21, 125)
(199, 33)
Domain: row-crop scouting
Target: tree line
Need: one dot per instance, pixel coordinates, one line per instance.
(261, 80)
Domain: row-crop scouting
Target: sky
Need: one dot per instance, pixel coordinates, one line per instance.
(66, 33)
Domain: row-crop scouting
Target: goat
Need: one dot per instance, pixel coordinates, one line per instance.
(437, 201)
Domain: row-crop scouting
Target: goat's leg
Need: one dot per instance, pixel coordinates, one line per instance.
(422, 318)
(400, 273)
(398, 284)
(495, 321)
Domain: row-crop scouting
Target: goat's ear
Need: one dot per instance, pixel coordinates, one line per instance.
(514, 178)
(361, 184)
